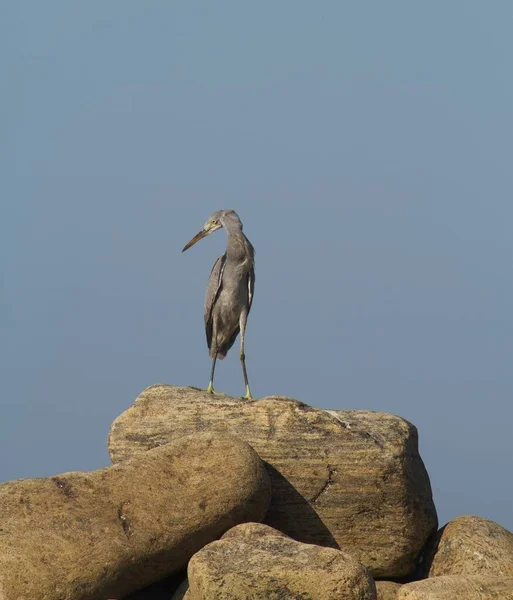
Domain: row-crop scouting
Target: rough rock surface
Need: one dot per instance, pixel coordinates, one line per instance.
(345, 479)
(458, 587)
(258, 563)
(471, 545)
(107, 533)
(253, 531)
(387, 590)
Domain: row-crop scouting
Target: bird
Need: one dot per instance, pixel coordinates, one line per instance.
(230, 291)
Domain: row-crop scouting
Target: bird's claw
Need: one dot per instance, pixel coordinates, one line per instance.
(212, 391)
(248, 395)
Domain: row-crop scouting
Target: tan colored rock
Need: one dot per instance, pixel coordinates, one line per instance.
(470, 545)
(252, 531)
(458, 587)
(387, 590)
(344, 479)
(257, 563)
(107, 533)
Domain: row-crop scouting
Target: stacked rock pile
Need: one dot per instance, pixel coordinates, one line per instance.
(213, 497)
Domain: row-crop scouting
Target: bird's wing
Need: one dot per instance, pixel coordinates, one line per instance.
(251, 287)
(213, 290)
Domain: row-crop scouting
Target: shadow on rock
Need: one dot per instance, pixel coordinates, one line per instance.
(161, 590)
(294, 515)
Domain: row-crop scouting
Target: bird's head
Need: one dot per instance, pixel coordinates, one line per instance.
(221, 218)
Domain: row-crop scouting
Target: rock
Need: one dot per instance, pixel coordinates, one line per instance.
(252, 531)
(108, 533)
(470, 545)
(387, 590)
(258, 563)
(458, 587)
(343, 479)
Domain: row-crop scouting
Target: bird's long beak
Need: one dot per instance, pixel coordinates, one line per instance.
(196, 238)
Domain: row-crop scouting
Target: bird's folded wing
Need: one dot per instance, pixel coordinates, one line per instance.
(213, 290)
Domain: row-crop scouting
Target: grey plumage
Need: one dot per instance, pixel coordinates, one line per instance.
(230, 290)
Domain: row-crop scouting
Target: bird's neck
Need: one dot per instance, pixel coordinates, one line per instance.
(239, 248)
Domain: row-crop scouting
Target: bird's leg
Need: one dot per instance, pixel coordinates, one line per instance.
(243, 319)
(211, 384)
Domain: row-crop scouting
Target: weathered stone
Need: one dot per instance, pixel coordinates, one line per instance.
(258, 563)
(458, 587)
(343, 479)
(387, 590)
(252, 531)
(107, 533)
(470, 545)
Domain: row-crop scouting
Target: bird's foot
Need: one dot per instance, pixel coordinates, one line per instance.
(248, 395)
(212, 391)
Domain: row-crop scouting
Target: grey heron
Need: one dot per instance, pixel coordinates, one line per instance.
(230, 290)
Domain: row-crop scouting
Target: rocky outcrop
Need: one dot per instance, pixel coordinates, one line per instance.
(387, 590)
(350, 498)
(458, 587)
(104, 534)
(469, 546)
(255, 562)
(344, 479)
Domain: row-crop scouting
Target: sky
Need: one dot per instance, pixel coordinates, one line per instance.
(367, 147)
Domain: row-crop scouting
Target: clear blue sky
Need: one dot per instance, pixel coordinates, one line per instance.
(368, 148)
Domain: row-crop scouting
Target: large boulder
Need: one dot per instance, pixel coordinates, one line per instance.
(344, 479)
(469, 546)
(458, 587)
(255, 562)
(107, 533)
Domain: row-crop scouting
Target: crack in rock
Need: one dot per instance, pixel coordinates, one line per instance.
(327, 484)
(345, 424)
(361, 433)
(272, 426)
(125, 522)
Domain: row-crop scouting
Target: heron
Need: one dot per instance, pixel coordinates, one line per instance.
(230, 290)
